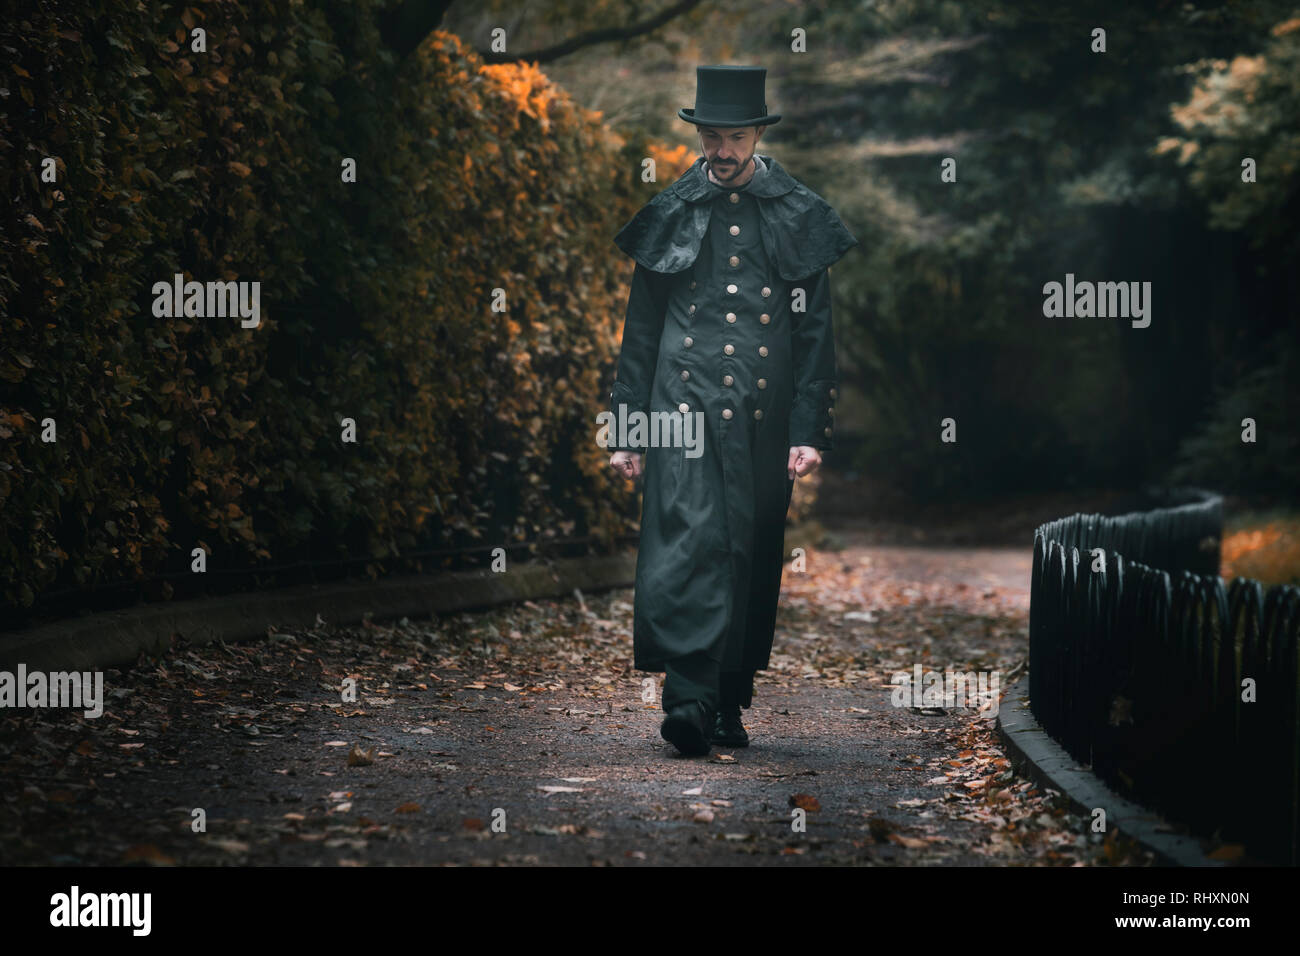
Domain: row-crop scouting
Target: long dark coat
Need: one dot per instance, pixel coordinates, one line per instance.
(714, 325)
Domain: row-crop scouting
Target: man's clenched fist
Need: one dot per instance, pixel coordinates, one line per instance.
(626, 463)
(803, 461)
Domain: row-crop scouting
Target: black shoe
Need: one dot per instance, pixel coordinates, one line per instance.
(728, 731)
(686, 728)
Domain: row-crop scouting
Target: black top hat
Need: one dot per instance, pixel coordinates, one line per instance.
(729, 96)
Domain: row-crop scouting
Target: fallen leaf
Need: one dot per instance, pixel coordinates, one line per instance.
(805, 801)
(231, 846)
(912, 843)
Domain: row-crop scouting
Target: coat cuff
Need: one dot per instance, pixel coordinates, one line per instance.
(812, 417)
(623, 395)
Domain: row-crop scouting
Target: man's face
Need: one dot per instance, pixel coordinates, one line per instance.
(728, 149)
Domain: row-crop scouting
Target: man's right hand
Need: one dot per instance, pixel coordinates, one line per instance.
(626, 463)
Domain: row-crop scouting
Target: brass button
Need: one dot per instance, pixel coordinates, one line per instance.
(732, 288)
(734, 260)
(833, 393)
(766, 292)
(727, 380)
(731, 316)
(765, 318)
(688, 341)
(762, 383)
(683, 408)
(692, 283)
(735, 230)
(830, 412)
(685, 375)
(762, 350)
(726, 413)
(729, 349)
(691, 310)
(828, 433)
(735, 197)
(758, 413)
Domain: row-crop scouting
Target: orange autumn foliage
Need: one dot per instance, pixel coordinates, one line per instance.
(474, 426)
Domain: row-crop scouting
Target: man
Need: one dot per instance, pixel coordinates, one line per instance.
(729, 316)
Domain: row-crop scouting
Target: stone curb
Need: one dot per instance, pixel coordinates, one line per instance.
(118, 638)
(1047, 762)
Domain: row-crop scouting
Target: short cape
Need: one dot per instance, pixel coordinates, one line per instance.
(801, 233)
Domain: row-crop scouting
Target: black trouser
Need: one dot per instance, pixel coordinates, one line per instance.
(696, 677)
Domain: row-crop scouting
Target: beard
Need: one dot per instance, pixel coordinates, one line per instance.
(727, 170)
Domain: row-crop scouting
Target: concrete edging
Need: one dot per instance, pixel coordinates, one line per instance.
(118, 638)
(1034, 751)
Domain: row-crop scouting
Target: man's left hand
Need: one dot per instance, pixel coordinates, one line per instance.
(804, 460)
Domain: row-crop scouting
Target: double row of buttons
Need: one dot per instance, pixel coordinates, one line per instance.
(726, 380)
(731, 317)
(728, 349)
(726, 412)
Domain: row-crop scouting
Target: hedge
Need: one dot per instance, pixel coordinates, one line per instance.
(473, 426)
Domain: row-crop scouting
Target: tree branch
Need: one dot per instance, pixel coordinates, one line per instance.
(592, 37)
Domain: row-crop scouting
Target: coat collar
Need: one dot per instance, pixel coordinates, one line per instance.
(800, 232)
(694, 186)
